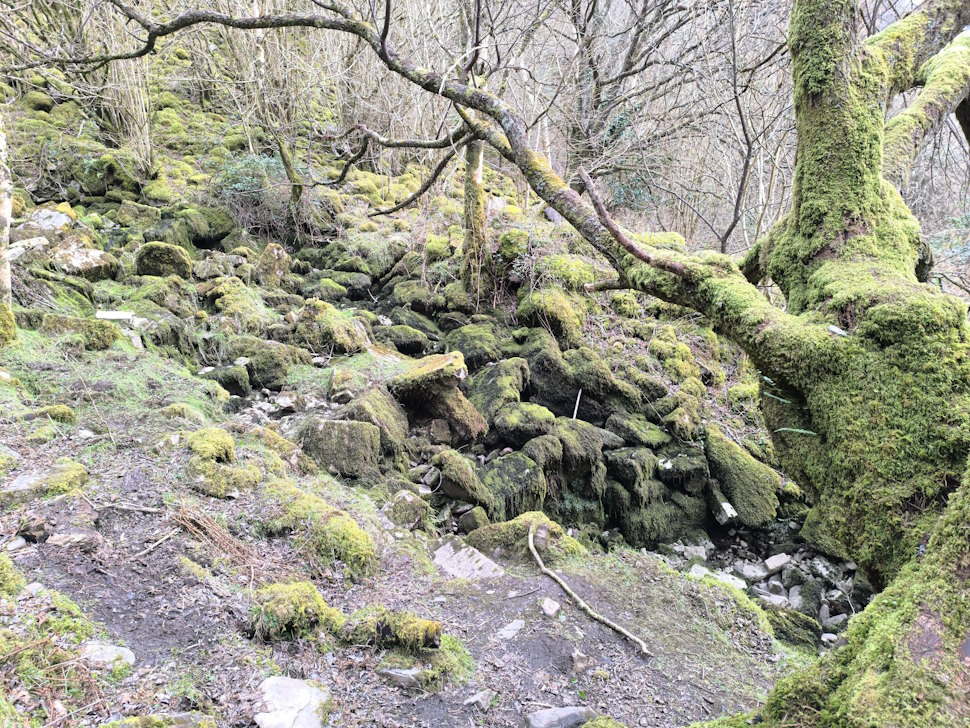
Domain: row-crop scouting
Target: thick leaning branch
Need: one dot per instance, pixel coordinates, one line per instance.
(946, 83)
(906, 45)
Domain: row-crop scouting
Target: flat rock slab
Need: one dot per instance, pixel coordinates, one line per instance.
(101, 654)
(569, 717)
(510, 630)
(291, 703)
(462, 561)
(24, 488)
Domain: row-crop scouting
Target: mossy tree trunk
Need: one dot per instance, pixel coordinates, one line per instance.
(7, 331)
(477, 260)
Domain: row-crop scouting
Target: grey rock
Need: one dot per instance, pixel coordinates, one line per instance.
(550, 607)
(101, 654)
(568, 717)
(403, 678)
(25, 487)
(750, 572)
(481, 700)
(511, 629)
(462, 561)
(695, 552)
(290, 703)
(776, 563)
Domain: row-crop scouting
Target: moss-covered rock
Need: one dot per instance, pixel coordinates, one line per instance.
(183, 411)
(292, 610)
(220, 480)
(459, 479)
(474, 519)
(430, 385)
(510, 539)
(519, 422)
(405, 339)
(66, 476)
(750, 486)
(313, 523)
(268, 362)
(637, 430)
(234, 379)
(346, 447)
(8, 326)
(379, 408)
(516, 483)
(274, 264)
(321, 327)
(162, 259)
(11, 580)
(553, 309)
(477, 343)
(171, 293)
(496, 386)
(794, 628)
(212, 443)
(96, 334)
(406, 510)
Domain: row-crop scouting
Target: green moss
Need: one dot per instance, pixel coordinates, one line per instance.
(219, 480)
(382, 627)
(289, 611)
(553, 309)
(162, 259)
(794, 628)
(240, 305)
(511, 538)
(346, 447)
(162, 721)
(132, 214)
(8, 326)
(460, 480)
(750, 486)
(377, 407)
(270, 362)
(323, 328)
(212, 443)
(331, 534)
(38, 101)
(160, 190)
(11, 580)
(477, 343)
(171, 293)
(96, 334)
(56, 412)
(66, 477)
(494, 387)
(572, 272)
(637, 430)
(519, 422)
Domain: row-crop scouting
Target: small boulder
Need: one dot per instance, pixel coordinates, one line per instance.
(350, 448)
(291, 703)
(101, 654)
(162, 259)
(568, 717)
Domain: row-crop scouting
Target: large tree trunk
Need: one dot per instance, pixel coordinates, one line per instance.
(7, 327)
(477, 261)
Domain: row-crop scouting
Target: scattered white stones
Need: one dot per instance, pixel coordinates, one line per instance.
(461, 561)
(568, 717)
(550, 607)
(290, 703)
(101, 654)
(510, 630)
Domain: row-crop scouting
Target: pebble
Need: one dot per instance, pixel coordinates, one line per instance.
(511, 629)
(482, 699)
(550, 607)
(101, 654)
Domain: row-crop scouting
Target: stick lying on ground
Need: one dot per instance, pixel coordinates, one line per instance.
(572, 595)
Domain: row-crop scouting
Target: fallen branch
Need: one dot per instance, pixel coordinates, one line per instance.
(572, 595)
(155, 545)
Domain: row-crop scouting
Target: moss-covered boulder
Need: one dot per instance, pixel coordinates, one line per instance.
(794, 628)
(162, 259)
(379, 408)
(516, 483)
(342, 446)
(637, 430)
(430, 385)
(234, 379)
(220, 480)
(459, 479)
(477, 343)
(171, 293)
(323, 328)
(95, 333)
(749, 485)
(292, 610)
(555, 310)
(406, 510)
(267, 362)
(273, 265)
(496, 386)
(519, 422)
(212, 443)
(510, 539)
(330, 534)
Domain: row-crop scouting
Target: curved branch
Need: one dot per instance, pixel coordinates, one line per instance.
(426, 185)
(906, 45)
(946, 83)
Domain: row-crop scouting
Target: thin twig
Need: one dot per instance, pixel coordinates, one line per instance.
(580, 603)
(158, 543)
